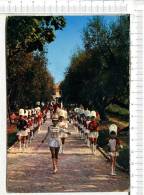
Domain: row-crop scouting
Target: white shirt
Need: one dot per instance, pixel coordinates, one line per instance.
(54, 136)
(112, 145)
(63, 127)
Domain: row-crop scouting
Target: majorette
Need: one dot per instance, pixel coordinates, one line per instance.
(22, 127)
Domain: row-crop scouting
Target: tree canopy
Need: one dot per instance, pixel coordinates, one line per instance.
(31, 33)
(98, 75)
(28, 78)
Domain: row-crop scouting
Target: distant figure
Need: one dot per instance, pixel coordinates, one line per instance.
(63, 125)
(39, 117)
(13, 117)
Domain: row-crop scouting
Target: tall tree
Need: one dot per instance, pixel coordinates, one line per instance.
(31, 33)
(28, 78)
(99, 75)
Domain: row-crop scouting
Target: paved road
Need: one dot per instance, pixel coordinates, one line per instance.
(79, 170)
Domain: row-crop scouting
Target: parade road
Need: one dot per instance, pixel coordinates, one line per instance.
(78, 169)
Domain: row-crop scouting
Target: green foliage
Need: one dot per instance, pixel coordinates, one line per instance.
(31, 33)
(117, 110)
(103, 138)
(28, 79)
(99, 74)
(123, 158)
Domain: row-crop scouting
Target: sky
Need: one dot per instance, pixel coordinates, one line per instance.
(66, 42)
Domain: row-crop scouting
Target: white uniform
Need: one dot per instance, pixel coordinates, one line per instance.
(63, 126)
(54, 138)
(113, 144)
(22, 133)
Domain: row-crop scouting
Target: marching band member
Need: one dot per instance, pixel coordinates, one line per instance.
(38, 118)
(88, 116)
(75, 121)
(48, 113)
(114, 145)
(63, 124)
(77, 111)
(93, 128)
(51, 109)
(13, 118)
(27, 129)
(44, 113)
(82, 123)
(85, 127)
(65, 114)
(79, 121)
(54, 141)
(30, 125)
(33, 122)
(22, 127)
(88, 131)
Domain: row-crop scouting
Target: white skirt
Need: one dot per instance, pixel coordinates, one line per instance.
(48, 115)
(54, 142)
(28, 130)
(113, 154)
(82, 128)
(22, 133)
(94, 134)
(63, 135)
(35, 125)
(31, 128)
(87, 131)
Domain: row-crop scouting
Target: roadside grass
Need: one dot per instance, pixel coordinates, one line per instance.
(117, 111)
(11, 139)
(123, 158)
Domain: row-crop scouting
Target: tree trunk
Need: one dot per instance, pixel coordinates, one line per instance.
(103, 114)
(9, 111)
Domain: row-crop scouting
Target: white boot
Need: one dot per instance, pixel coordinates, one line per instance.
(93, 148)
(88, 143)
(20, 146)
(61, 149)
(113, 173)
(24, 147)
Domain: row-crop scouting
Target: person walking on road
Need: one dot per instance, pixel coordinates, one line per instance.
(63, 125)
(93, 135)
(54, 141)
(113, 144)
(22, 130)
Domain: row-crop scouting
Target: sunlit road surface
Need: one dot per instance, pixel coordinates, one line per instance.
(79, 170)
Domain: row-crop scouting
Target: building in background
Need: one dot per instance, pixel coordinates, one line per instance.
(57, 92)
